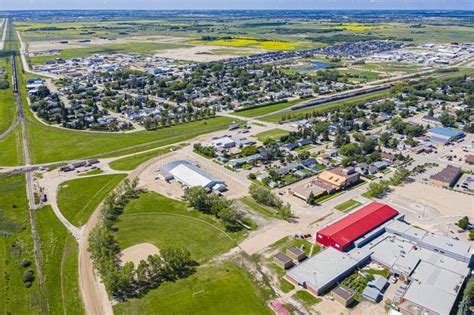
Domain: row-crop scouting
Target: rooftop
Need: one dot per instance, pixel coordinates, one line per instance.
(447, 175)
(448, 132)
(321, 269)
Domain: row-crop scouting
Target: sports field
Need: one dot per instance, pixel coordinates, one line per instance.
(164, 222)
(78, 198)
(216, 289)
(273, 134)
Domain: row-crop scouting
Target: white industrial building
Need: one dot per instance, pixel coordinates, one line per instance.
(189, 174)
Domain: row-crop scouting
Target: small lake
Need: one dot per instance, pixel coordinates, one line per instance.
(316, 65)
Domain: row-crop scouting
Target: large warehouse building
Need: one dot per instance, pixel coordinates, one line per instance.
(190, 175)
(342, 233)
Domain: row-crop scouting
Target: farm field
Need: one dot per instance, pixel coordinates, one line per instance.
(299, 114)
(60, 265)
(273, 134)
(164, 222)
(264, 110)
(220, 289)
(48, 143)
(252, 43)
(16, 246)
(131, 162)
(78, 198)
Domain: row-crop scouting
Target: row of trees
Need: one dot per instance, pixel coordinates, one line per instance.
(380, 188)
(265, 197)
(216, 205)
(127, 281)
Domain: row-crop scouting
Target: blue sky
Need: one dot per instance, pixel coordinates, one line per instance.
(237, 4)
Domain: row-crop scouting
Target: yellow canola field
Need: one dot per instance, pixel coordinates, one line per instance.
(249, 42)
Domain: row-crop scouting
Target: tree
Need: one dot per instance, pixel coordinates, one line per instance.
(377, 189)
(264, 196)
(177, 263)
(447, 120)
(231, 219)
(463, 223)
(467, 300)
(285, 212)
(198, 198)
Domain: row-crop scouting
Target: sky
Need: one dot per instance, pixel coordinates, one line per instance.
(238, 4)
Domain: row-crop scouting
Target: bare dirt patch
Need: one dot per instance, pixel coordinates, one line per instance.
(139, 252)
(204, 53)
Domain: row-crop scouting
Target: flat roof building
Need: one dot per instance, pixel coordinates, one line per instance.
(447, 177)
(321, 272)
(345, 231)
(190, 175)
(444, 135)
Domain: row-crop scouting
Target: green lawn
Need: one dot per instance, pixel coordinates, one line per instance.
(383, 272)
(78, 198)
(299, 114)
(273, 134)
(289, 241)
(131, 162)
(131, 48)
(220, 289)
(48, 144)
(165, 222)
(348, 205)
(285, 286)
(307, 298)
(264, 110)
(16, 245)
(254, 205)
(7, 108)
(60, 265)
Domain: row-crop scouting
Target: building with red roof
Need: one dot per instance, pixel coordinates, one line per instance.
(342, 233)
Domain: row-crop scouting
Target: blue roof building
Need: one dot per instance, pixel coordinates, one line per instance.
(444, 135)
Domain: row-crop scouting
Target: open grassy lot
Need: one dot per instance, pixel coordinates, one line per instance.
(132, 48)
(78, 198)
(10, 152)
(48, 144)
(164, 222)
(307, 298)
(220, 289)
(348, 205)
(299, 114)
(131, 162)
(273, 134)
(60, 265)
(264, 110)
(16, 246)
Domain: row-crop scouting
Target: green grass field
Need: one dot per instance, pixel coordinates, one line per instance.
(220, 289)
(273, 135)
(164, 222)
(16, 245)
(348, 205)
(131, 48)
(11, 154)
(7, 109)
(131, 162)
(264, 110)
(47, 144)
(78, 198)
(307, 298)
(299, 114)
(60, 265)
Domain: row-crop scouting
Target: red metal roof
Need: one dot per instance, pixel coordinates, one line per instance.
(356, 224)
